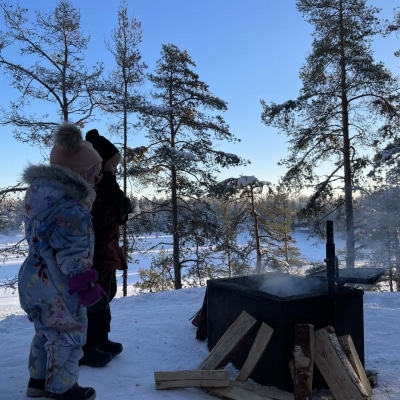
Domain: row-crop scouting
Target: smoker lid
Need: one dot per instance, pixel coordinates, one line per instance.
(274, 285)
(368, 276)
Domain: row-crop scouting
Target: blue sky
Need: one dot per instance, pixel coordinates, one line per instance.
(245, 50)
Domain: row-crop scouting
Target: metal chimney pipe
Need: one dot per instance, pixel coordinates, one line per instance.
(330, 259)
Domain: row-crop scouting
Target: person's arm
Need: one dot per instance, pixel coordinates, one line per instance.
(112, 204)
(103, 213)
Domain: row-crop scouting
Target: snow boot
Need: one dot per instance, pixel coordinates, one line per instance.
(36, 387)
(75, 393)
(114, 348)
(94, 357)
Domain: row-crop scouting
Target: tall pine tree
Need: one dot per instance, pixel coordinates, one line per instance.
(344, 110)
(182, 124)
(44, 62)
(121, 96)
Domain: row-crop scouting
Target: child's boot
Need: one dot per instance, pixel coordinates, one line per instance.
(95, 357)
(114, 348)
(75, 393)
(36, 387)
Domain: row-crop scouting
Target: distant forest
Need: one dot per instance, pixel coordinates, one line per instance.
(211, 227)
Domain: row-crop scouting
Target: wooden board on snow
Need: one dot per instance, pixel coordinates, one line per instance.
(250, 391)
(196, 378)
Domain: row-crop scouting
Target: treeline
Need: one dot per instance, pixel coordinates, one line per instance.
(249, 232)
(209, 232)
(267, 221)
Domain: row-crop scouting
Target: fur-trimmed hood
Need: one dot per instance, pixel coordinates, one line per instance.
(73, 184)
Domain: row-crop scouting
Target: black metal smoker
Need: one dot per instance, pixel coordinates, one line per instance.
(282, 301)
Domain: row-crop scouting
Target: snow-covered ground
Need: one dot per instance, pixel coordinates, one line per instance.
(157, 335)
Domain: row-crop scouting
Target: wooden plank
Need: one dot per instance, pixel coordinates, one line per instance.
(196, 378)
(232, 393)
(241, 329)
(351, 353)
(250, 391)
(257, 350)
(335, 367)
(269, 391)
(302, 363)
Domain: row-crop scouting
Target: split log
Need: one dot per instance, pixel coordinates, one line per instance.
(182, 379)
(335, 367)
(257, 350)
(231, 341)
(250, 391)
(302, 363)
(351, 353)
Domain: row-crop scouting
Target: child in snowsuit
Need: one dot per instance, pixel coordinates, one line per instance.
(110, 211)
(56, 281)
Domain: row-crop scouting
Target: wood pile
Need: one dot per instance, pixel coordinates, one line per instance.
(335, 357)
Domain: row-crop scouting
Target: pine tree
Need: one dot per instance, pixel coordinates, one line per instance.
(345, 107)
(379, 216)
(51, 71)
(182, 125)
(268, 220)
(235, 257)
(250, 191)
(120, 96)
(277, 214)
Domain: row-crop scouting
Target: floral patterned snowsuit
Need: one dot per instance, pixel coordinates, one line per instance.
(59, 233)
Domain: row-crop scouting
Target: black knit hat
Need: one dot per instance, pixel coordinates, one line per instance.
(102, 145)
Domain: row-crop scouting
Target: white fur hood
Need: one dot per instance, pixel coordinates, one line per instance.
(73, 184)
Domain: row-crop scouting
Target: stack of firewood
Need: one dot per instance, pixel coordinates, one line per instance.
(335, 357)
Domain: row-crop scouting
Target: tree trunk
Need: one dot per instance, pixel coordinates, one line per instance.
(348, 187)
(396, 246)
(256, 231)
(175, 231)
(124, 172)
